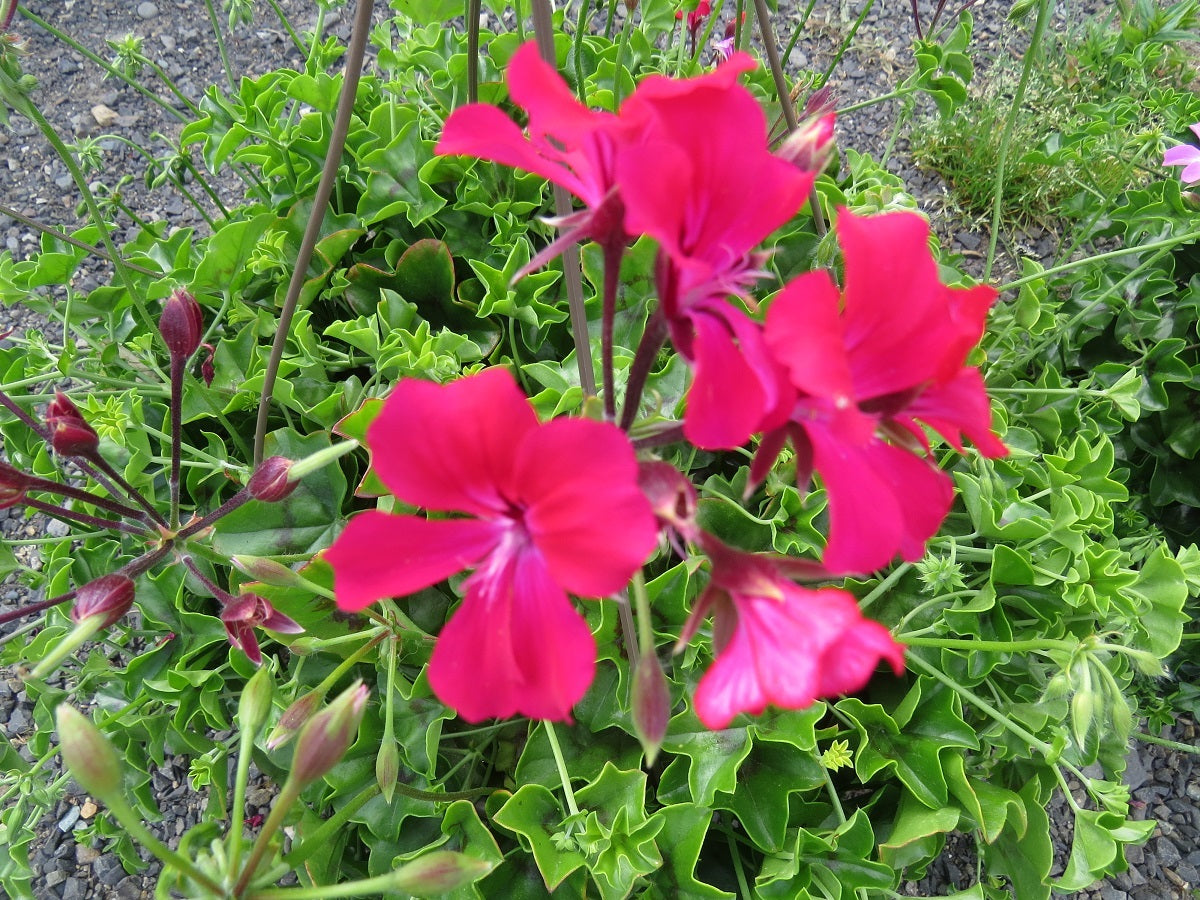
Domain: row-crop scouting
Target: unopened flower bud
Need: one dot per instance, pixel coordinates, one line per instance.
(270, 482)
(329, 734)
(181, 324)
(651, 705)
(438, 873)
(70, 435)
(387, 767)
(810, 145)
(293, 718)
(13, 485)
(267, 571)
(108, 597)
(89, 755)
(255, 703)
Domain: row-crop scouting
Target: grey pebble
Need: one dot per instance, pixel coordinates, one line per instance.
(147, 10)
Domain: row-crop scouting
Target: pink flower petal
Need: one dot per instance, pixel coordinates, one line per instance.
(903, 327)
(780, 650)
(804, 331)
(516, 646)
(380, 555)
(726, 400)
(883, 502)
(483, 131)
(957, 409)
(583, 507)
(685, 181)
(849, 662)
(452, 446)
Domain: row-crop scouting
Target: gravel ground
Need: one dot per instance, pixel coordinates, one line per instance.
(1165, 784)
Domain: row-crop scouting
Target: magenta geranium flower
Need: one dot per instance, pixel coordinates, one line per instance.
(701, 180)
(878, 360)
(549, 508)
(777, 643)
(1186, 155)
(567, 144)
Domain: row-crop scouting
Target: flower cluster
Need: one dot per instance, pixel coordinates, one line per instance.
(850, 376)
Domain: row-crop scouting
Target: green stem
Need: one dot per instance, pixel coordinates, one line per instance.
(216, 27)
(979, 703)
(561, 764)
(1164, 244)
(131, 822)
(1018, 100)
(245, 746)
(29, 109)
(170, 85)
(1164, 742)
(308, 243)
(326, 830)
(16, 215)
(833, 796)
(287, 26)
(841, 51)
(108, 67)
(622, 47)
(739, 871)
(880, 589)
(645, 625)
(283, 804)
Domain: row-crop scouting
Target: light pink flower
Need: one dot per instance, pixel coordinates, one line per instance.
(1186, 155)
(550, 508)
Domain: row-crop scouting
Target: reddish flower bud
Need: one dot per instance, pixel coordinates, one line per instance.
(651, 705)
(181, 324)
(329, 734)
(109, 596)
(293, 718)
(207, 371)
(811, 144)
(269, 482)
(70, 435)
(13, 485)
(438, 873)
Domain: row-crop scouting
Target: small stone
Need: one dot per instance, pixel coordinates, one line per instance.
(147, 10)
(55, 878)
(85, 856)
(73, 889)
(67, 822)
(103, 115)
(88, 809)
(1168, 853)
